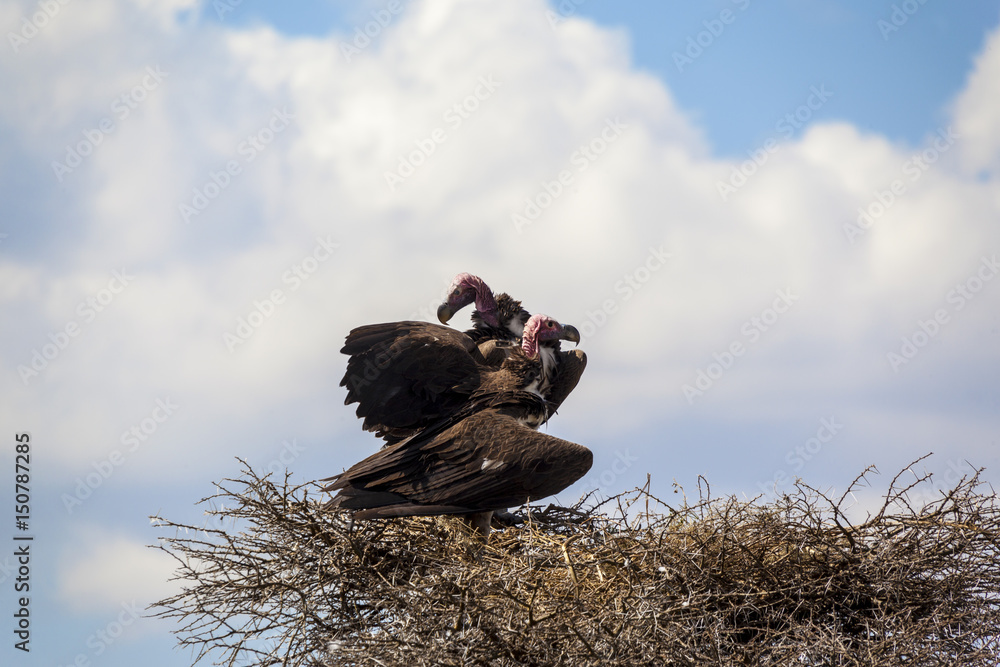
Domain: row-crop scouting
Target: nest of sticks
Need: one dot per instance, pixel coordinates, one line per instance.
(275, 578)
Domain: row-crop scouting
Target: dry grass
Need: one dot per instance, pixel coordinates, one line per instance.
(631, 581)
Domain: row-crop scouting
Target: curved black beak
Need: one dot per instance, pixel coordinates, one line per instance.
(569, 332)
(444, 313)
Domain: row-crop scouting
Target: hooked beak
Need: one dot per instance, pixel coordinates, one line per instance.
(569, 332)
(444, 313)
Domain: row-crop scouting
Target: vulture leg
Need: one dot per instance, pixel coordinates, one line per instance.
(480, 522)
(505, 518)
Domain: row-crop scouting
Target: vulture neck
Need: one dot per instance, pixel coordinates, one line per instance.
(486, 305)
(544, 356)
(509, 319)
(548, 359)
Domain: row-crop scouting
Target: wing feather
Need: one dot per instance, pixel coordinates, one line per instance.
(445, 468)
(405, 375)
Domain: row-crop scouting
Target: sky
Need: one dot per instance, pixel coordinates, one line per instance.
(775, 225)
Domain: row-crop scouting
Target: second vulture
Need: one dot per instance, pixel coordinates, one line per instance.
(407, 375)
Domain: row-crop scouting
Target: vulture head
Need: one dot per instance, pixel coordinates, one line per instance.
(502, 313)
(465, 289)
(541, 328)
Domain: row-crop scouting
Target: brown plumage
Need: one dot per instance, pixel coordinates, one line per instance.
(498, 324)
(407, 375)
(459, 411)
(476, 461)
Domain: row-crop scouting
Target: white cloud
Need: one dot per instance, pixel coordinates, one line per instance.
(976, 113)
(656, 184)
(104, 570)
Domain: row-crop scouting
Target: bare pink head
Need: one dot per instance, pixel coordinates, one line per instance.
(465, 289)
(542, 328)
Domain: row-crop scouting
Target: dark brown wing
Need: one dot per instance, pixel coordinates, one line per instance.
(572, 363)
(407, 375)
(482, 461)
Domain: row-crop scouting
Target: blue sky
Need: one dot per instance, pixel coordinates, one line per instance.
(757, 304)
(894, 80)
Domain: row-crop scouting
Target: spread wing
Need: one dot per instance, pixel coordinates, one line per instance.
(482, 459)
(406, 375)
(570, 370)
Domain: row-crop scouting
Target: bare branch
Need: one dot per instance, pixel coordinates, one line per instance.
(717, 581)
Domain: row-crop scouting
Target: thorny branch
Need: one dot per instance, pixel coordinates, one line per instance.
(630, 580)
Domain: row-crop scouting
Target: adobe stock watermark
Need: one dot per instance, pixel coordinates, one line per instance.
(899, 17)
(625, 288)
(294, 277)
(121, 108)
(8, 566)
(87, 310)
(32, 25)
(363, 35)
(581, 158)
(373, 368)
(798, 456)
(429, 311)
(621, 464)
(912, 168)
(290, 451)
(752, 330)
(704, 39)
(248, 149)
(564, 10)
(958, 298)
(132, 439)
(786, 126)
(214, 521)
(223, 7)
(103, 638)
(938, 486)
(454, 116)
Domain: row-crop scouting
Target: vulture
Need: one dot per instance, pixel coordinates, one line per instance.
(483, 456)
(406, 375)
(497, 321)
